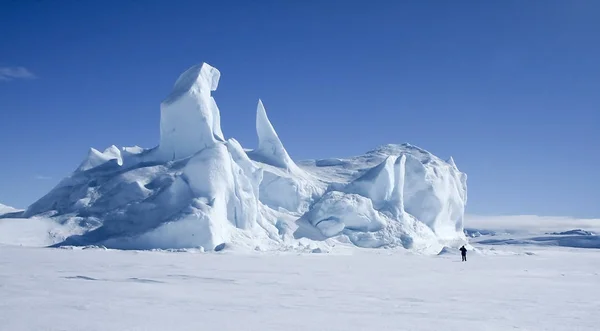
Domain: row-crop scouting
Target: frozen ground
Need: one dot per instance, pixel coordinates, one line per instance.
(499, 288)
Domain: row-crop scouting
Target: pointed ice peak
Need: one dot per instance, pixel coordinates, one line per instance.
(450, 161)
(270, 149)
(189, 117)
(264, 128)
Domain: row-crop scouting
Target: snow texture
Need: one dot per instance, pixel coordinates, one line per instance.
(337, 211)
(199, 189)
(96, 158)
(92, 288)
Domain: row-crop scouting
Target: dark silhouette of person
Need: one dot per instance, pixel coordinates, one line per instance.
(463, 252)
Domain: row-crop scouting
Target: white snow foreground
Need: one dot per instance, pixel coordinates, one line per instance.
(198, 189)
(534, 288)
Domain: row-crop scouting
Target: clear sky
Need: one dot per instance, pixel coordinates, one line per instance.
(510, 89)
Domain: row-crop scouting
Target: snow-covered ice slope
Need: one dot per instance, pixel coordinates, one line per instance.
(36, 232)
(4, 209)
(414, 193)
(94, 290)
(198, 188)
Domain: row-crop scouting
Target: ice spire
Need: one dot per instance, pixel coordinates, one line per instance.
(270, 149)
(189, 117)
(397, 199)
(451, 162)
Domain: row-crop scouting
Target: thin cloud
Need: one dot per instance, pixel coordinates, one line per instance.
(12, 73)
(42, 177)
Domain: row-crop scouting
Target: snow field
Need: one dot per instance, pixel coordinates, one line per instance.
(93, 289)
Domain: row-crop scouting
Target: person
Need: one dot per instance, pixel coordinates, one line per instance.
(463, 252)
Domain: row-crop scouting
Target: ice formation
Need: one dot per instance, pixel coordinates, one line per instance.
(199, 189)
(270, 150)
(284, 186)
(189, 116)
(4, 209)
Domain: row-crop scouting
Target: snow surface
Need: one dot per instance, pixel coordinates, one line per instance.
(36, 232)
(96, 158)
(521, 286)
(199, 189)
(496, 289)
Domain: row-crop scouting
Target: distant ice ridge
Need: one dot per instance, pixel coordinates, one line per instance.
(4, 209)
(199, 189)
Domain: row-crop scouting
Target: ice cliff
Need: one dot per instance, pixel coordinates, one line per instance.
(199, 189)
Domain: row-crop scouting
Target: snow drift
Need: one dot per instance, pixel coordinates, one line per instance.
(199, 189)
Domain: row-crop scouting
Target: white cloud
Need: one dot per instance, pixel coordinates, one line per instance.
(12, 73)
(42, 177)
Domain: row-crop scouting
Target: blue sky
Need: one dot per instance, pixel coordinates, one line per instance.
(510, 89)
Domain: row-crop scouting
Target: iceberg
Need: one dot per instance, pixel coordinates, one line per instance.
(199, 189)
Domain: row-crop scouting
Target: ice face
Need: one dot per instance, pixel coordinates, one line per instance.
(337, 211)
(377, 183)
(270, 150)
(189, 116)
(396, 201)
(436, 195)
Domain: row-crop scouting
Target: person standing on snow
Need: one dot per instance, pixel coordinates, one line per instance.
(463, 252)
